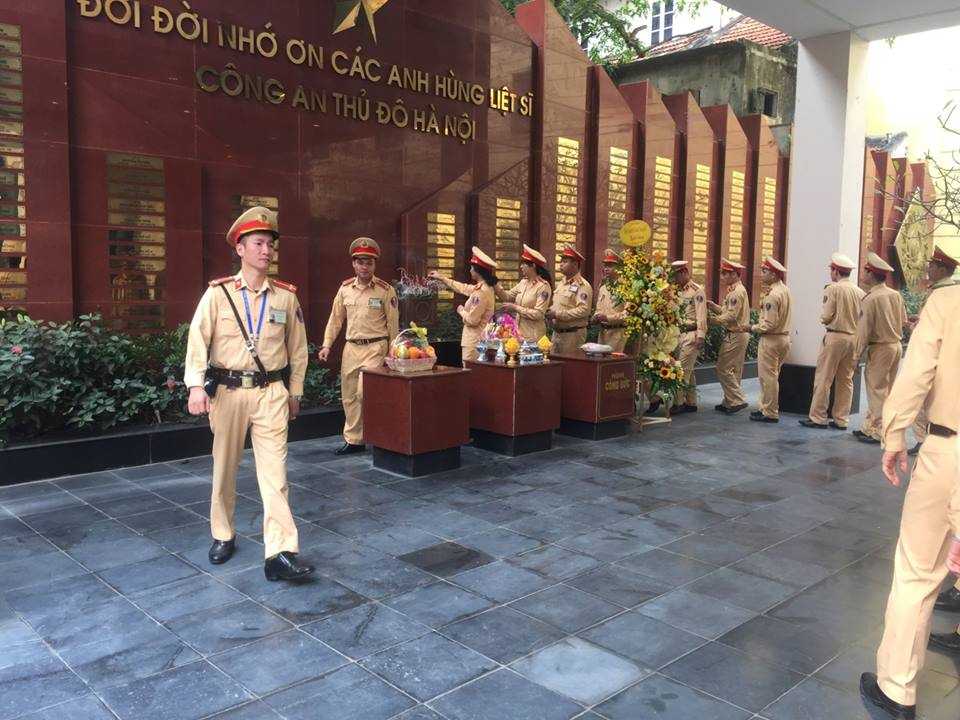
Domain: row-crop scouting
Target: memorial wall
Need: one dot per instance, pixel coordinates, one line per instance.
(132, 133)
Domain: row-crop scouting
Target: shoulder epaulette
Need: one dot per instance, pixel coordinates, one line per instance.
(382, 283)
(285, 285)
(221, 281)
(347, 282)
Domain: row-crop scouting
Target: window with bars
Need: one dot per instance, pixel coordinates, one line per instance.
(13, 194)
(662, 193)
(617, 194)
(568, 193)
(242, 203)
(442, 250)
(769, 214)
(508, 240)
(701, 223)
(735, 232)
(136, 241)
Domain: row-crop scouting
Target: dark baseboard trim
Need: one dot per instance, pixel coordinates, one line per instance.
(512, 445)
(139, 446)
(796, 389)
(593, 431)
(707, 374)
(417, 465)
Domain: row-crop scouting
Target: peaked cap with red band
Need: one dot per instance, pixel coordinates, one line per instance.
(730, 266)
(532, 256)
(569, 251)
(481, 259)
(939, 256)
(610, 256)
(772, 264)
(875, 263)
(256, 219)
(364, 247)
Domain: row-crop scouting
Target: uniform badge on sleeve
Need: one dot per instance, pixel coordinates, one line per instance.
(699, 298)
(393, 302)
(583, 296)
(544, 295)
(474, 300)
(299, 315)
(767, 306)
(824, 299)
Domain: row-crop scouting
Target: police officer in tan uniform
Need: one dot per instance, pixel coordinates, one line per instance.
(837, 360)
(610, 314)
(246, 396)
(735, 317)
(693, 331)
(572, 301)
(940, 271)
(368, 305)
(529, 299)
(929, 376)
(477, 311)
(879, 332)
(776, 322)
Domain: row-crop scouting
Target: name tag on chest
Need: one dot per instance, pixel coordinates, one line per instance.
(375, 303)
(278, 317)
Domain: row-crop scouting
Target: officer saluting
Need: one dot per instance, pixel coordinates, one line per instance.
(693, 331)
(246, 331)
(735, 317)
(879, 332)
(572, 300)
(369, 307)
(610, 314)
(837, 360)
(776, 321)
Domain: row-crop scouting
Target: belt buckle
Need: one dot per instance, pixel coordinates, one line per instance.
(246, 381)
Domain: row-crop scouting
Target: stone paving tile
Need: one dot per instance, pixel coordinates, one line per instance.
(504, 694)
(648, 642)
(695, 613)
(439, 604)
(566, 608)
(224, 627)
(365, 630)
(660, 698)
(503, 634)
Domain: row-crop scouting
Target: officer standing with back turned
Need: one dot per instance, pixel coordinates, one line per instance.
(247, 332)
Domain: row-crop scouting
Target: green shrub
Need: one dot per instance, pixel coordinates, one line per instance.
(82, 376)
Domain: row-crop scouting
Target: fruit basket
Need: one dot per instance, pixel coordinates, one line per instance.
(411, 351)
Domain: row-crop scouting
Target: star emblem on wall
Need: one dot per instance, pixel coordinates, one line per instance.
(347, 12)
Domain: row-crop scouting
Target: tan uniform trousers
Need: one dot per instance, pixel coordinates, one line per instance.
(354, 358)
(687, 353)
(835, 366)
(733, 350)
(918, 569)
(771, 353)
(883, 360)
(568, 343)
(266, 413)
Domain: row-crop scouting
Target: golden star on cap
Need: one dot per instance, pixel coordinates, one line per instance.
(347, 12)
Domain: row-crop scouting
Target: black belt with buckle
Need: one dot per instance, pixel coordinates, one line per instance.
(367, 341)
(940, 430)
(244, 378)
(573, 329)
(691, 327)
(842, 332)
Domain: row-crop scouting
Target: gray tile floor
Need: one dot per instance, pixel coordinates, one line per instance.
(714, 568)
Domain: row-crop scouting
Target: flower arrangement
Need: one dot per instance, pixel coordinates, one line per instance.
(643, 284)
(502, 326)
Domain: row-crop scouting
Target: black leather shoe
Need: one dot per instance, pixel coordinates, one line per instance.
(736, 408)
(864, 438)
(948, 600)
(722, 409)
(349, 449)
(915, 449)
(948, 642)
(834, 426)
(870, 691)
(285, 566)
(807, 422)
(758, 416)
(222, 550)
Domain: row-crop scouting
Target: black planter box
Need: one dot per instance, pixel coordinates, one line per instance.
(136, 446)
(707, 374)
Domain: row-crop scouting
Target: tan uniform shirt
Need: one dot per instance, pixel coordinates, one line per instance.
(532, 299)
(476, 311)
(735, 313)
(946, 282)
(930, 366)
(841, 306)
(572, 302)
(606, 305)
(693, 305)
(883, 315)
(215, 337)
(776, 311)
(370, 311)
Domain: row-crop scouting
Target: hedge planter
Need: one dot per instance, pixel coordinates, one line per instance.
(67, 455)
(707, 374)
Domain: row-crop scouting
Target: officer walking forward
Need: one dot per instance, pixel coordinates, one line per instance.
(693, 331)
(572, 301)
(879, 332)
(610, 314)
(837, 360)
(931, 374)
(735, 317)
(776, 322)
(246, 332)
(368, 305)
